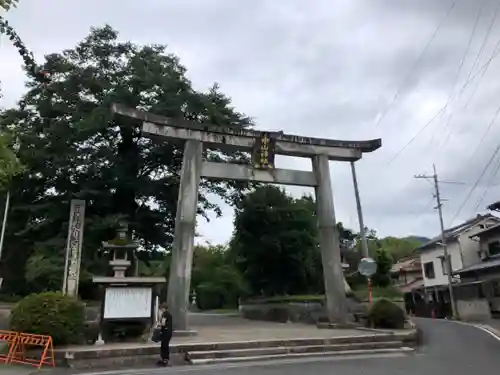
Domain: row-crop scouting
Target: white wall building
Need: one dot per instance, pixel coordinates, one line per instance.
(464, 251)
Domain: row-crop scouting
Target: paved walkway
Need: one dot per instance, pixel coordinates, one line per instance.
(17, 370)
(226, 328)
(449, 348)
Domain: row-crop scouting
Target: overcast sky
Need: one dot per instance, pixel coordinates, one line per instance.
(341, 69)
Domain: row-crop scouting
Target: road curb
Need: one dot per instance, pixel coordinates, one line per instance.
(493, 331)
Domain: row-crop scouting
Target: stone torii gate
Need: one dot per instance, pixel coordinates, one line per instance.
(263, 146)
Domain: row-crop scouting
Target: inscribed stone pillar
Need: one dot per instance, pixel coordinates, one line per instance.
(335, 292)
(184, 232)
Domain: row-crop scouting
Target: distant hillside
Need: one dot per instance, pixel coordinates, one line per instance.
(419, 239)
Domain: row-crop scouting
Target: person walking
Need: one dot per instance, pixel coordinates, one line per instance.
(166, 330)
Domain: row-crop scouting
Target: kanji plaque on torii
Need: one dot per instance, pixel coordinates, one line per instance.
(264, 152)
(263, 146)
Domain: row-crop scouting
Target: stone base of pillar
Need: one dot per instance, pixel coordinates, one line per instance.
(99, 340)
(185, 333)
(347, 325)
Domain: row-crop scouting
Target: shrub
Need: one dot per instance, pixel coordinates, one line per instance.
(52, 314)
(285, 299)
(356, 280)
(386, 314)
(209, 296)
(389, 292)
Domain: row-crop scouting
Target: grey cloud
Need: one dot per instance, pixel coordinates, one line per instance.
(326, 70)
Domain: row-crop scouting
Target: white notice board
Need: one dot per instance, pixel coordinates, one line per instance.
(128, 302)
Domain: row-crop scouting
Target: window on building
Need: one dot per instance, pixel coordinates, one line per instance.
(429, 270)
(494, 248)
(444, 266)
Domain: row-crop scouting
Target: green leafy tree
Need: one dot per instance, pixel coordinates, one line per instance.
(382, 277)
(8, 4)
(9, 163)
(73, 147)
(399, 247)
(215, 279)
(275, 242)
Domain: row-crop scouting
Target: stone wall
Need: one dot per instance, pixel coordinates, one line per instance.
(296, 312)
(474, 310)
(4, 316)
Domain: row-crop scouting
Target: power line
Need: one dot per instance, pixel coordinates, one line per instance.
(466, 105)
(422, 129)
(483, 44)
(490, 185)
(417, 61)
(473, 188)
(457, 75)
(485, 133)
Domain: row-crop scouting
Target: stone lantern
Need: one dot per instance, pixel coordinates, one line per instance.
(127, 298)
(120, 246)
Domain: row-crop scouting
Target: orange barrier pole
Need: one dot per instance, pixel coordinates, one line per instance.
(10, 338)
(370, 295)
(45, 342)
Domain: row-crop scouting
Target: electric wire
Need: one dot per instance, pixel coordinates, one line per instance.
(483, 45)
(474, 64)
(422, 212)
(476, 183)
(416, 62)
(443, 108)
(490, 184)
(485, 133)
(459, 71)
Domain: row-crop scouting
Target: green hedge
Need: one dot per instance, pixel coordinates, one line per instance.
(390, 292)
(52, 314)
(386, 314)
(361, 294)
(285, 299)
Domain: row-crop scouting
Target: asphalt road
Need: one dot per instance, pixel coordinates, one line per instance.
(448, 348)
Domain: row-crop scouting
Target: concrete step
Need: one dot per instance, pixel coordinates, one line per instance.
(369, 337)
(337, 353)
(264, 352)
(134, 354)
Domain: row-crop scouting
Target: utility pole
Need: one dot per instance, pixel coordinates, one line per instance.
(362, 231)
(447, 258)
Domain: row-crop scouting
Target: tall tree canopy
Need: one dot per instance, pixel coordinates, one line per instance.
(9, 163)
(8, 4)
(73, 147)
(275, 243)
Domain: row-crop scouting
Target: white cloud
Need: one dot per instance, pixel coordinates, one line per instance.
(328, 70)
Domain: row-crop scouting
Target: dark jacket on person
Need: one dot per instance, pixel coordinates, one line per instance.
(166, 324)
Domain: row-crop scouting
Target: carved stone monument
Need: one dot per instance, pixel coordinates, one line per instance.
(74, 248)
(263, 146)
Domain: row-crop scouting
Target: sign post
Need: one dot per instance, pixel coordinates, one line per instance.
(74, 247)
(367, 267)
